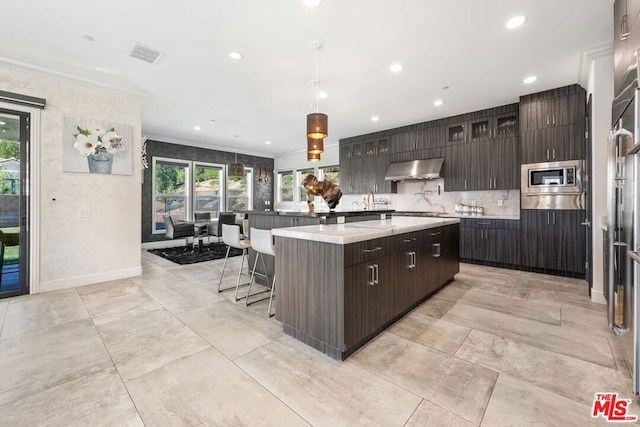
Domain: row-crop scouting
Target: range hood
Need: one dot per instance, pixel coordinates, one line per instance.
(414, 170)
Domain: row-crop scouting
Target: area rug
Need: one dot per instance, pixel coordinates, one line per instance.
(181, 256)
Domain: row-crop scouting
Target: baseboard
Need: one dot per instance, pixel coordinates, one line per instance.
(89, 279)
(598, 297)
(164, 244)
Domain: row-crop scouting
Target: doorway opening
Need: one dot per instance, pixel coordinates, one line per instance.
(14, 203)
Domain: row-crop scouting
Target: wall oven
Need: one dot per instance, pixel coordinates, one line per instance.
(553, 185)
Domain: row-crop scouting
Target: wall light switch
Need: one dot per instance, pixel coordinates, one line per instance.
(84, 213)
(473, 203)
(340, 220)
(500, 202)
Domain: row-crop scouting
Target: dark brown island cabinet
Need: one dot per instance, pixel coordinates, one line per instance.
(341, 285)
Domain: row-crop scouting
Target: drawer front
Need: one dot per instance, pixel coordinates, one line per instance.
(356, 253)
(505, 224)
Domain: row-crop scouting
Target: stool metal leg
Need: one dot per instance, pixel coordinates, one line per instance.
(245, 252)
(273, 287)
(223, 267)
(253, 274)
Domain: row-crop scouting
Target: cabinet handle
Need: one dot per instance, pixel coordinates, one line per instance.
(494, 184)
(437, 233)
(547, 154)
(554, 218)
(436, 247)
(554, 118)
(375, 281)
(548, 218)
(489, 183)
(547, 120)
(484, 223)
(465, 184)
(368, 251)
(554, 154)
(372, 276)
(407, 240)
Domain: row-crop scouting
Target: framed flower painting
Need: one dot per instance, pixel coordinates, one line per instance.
(95, 146)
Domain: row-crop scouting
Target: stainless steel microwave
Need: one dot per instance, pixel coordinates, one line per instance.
(553, 185)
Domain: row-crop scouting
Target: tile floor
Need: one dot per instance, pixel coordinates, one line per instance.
(494, 348)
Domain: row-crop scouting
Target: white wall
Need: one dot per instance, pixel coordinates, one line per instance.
(77, 251)
(601, 87)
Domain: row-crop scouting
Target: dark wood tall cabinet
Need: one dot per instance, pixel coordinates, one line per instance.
(553, 240)
(552, 125)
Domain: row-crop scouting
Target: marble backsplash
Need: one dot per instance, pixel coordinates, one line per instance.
(423, 196)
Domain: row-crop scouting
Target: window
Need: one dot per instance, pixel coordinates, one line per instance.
(183, 187)
(170, 191)
(208, 189)
(239, 191)
(301, 175)
(285, 186)
(330, 172)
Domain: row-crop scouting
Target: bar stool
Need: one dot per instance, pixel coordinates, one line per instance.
(262, 243)
(231, 237)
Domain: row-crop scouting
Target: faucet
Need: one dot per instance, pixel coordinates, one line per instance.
(371, 203)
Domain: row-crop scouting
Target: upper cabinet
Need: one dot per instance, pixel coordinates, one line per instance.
(363, 164)
(552, 125)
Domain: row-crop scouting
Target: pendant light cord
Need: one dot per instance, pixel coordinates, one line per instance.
(317, 79)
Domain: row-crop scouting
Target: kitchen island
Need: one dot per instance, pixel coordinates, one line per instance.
(340, 285)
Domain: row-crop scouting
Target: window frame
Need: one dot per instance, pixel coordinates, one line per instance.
(187, 183)
(248, 171)
(279, 186)
(223, 184)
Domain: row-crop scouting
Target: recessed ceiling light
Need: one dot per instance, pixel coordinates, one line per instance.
(530, 79)
(88, 38)
(267, 142)
(196, 128)
(438, 102)
(396, 68)
(516, 21)
(235, 55)
(311, 3)
(322, 95)
(375, 118)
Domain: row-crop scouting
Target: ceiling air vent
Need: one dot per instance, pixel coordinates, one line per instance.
(145, 53)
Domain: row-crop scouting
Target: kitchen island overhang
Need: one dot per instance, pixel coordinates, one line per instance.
(340, 285)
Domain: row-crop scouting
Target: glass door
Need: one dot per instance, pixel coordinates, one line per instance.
(14, 203)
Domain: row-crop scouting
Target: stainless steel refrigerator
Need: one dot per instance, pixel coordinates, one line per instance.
(622, 240)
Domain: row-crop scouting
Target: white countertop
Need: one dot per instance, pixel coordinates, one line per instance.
(352, 232)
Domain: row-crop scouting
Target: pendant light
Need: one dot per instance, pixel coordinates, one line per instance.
(235, 170)
(311, 157)
(315, 146)
(317, 123)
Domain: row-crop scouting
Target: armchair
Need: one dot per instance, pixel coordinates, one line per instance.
(178, 229)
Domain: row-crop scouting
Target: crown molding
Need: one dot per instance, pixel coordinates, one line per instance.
(31, 68)
(590, 54)
(207, 146)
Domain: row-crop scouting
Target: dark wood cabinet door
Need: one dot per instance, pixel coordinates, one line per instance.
(433, 137)
(569, 110)
(456, 133)
(531, 115)
(505, 126)
(569, 236)
(504, 246)
(534, 147)
(537, 243)
(568, 142)
(504, 163)
(454, 171)
(480, 129)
